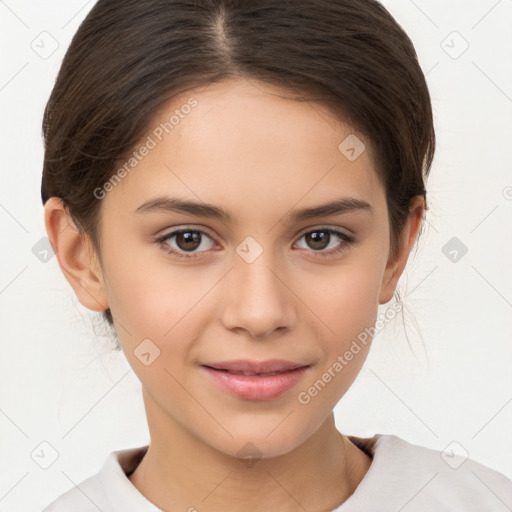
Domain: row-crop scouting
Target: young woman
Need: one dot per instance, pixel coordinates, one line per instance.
(237, 186)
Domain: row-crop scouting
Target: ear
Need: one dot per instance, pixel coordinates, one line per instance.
(395, 267)
(76, 256)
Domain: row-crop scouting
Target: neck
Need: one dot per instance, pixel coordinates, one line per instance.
(180, 472)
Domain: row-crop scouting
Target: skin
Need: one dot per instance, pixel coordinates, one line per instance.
(251, 151)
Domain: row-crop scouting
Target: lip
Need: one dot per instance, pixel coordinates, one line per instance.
(259, 385)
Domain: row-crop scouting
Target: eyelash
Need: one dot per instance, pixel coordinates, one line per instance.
(343, 247)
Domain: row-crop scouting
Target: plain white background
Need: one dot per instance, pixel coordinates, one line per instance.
(60, 383)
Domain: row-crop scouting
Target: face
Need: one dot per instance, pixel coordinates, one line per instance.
(189, 288)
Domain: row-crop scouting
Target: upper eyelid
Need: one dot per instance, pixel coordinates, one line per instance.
(326, 227)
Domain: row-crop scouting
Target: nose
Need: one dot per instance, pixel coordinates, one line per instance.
(259, 300)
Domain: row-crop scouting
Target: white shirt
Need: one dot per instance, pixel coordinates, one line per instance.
(402, 477)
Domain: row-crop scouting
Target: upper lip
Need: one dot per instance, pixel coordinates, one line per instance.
(245, 365)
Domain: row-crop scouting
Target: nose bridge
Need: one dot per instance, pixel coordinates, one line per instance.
(259, 301)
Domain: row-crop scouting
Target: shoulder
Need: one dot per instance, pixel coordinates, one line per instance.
(108, 490)
(87, 496)
(413, 477)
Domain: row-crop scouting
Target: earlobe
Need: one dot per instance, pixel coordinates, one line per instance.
(75, 256)
(396, 266)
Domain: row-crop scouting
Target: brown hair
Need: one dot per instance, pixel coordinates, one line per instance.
(129, 56)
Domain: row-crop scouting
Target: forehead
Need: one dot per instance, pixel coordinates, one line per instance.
(243, 142)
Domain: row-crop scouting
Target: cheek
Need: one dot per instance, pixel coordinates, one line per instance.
(158, 318)
(157, 302)
(345, 306)
(345, 298)
(142, 290)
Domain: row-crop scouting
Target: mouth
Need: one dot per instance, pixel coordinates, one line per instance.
(257, 381)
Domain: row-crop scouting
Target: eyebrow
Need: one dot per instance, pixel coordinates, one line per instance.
(174, 204)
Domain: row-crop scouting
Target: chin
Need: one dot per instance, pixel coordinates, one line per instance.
(251, 446)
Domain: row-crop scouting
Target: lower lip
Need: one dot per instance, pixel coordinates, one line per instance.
(254, 387)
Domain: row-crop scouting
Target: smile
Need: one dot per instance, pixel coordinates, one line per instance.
(254, 385)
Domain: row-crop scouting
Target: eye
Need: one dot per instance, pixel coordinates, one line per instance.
(322, 238)
(186, 241)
